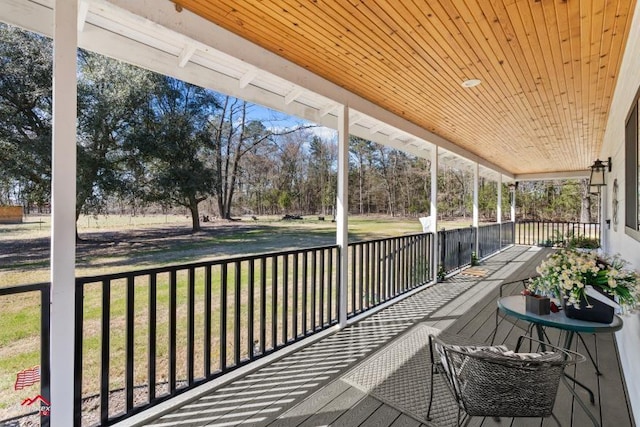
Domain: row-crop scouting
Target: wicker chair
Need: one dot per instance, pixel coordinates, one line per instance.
(488, 381)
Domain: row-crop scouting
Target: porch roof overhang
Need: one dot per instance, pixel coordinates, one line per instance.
(548, 70)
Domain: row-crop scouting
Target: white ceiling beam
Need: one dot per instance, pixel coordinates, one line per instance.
(376, 128)
(293, 95)
(185, 55)
(327, 109)
(83, 11)
(127, 50)
(398, 145)
(398, 135)
(354, 119)
(552, 175)
(247, 78)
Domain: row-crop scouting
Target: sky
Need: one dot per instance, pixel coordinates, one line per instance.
(276, 119)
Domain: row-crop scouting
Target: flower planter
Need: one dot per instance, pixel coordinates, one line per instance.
(598, 312)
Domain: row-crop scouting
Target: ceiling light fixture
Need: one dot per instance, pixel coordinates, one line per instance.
(471, 83)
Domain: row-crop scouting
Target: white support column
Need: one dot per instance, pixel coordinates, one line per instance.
(63, 211)
(434, 209)
(476, 177)
(499, 207)
(513, 204)
(342, 229)
(499, 210)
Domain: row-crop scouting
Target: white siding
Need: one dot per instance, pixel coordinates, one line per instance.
(616, 241)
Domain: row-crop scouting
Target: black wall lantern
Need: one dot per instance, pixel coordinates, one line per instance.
(597, 172)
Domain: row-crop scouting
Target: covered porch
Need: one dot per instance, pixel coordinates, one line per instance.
(181, 40)
(375, 372)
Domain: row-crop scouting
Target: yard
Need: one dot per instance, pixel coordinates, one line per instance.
(118, 243)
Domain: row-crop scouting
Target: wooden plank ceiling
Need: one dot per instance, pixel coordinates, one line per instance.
(548, 67)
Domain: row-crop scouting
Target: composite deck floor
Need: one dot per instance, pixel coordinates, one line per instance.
(330, 382)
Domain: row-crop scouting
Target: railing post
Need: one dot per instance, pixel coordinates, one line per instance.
(443, 248)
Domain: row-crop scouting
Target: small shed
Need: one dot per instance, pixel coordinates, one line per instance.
(11, 214)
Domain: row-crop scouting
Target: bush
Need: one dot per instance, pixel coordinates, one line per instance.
(583, 242)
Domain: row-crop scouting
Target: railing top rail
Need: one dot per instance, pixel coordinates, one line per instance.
(495, 224)
(199, 264)
(382, 239)
(10, 290)
(458, 230)
(543, 221)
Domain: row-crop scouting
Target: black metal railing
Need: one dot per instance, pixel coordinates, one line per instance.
(488, 240)
(165, 330)
(382, 269)
(455, 247)
(18, 321)
(507, 234)
(542, 233)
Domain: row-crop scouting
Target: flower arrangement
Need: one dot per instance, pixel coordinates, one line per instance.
(567, 272)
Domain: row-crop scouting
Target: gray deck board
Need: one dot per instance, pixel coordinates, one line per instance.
(385, 415)
(286, 393)
(406, 421)
(336, 408)
(359, 413)
(323, 407)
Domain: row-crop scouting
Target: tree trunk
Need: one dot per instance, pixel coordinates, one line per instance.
(195, 215)
(585, 206)
(585, 209)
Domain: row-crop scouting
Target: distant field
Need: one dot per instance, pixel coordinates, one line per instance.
(118, 243)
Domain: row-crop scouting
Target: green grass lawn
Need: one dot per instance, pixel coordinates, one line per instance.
(144, 243)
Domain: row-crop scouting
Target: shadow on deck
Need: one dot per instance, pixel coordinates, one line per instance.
(375, 372)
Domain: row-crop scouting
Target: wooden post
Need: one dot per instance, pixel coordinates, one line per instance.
(342, 228)
(434, 211)
(63, 211)
(476, 178)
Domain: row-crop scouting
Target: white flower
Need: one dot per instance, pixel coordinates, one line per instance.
(568, 272)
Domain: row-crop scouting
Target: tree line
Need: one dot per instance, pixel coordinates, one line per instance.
(147, 141)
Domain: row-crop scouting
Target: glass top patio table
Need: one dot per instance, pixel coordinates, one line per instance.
(515, 306)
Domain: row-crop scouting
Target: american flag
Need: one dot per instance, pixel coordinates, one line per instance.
(27, 377)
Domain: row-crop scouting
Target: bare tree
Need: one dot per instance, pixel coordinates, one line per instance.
(233, 135)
